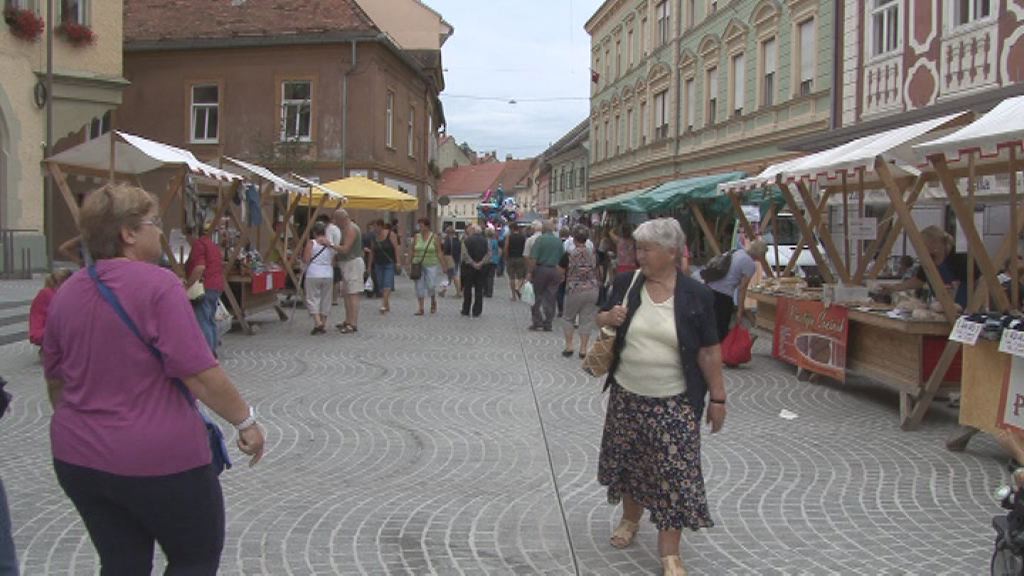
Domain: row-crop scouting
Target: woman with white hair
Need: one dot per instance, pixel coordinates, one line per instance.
(667, 360)
(952, 266)
(734, 284)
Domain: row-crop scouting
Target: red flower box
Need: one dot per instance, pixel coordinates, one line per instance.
(24, 24)
(75, 33)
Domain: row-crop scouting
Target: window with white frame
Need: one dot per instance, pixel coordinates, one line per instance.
(805, 56)
(664, 21)
(296, 110)
(769, 65)
(99, 126)
(661, 115)
(389, 118)
(629, 48)
(205, 113)
(643, 36)
(712, 86)
(583, 177)
(618, 134)
(885, 26)
(30, 5)
(73, 11)
(643, 123)
(691, 13)
(738, 84)
(691, 102)
(608, 65)
(629, 130)
(412, 132)
(712, 7)
(967, 11)
(597, 138)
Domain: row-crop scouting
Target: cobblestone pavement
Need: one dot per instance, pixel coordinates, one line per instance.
(450, 445)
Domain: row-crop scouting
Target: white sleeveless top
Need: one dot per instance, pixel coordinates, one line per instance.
(321, 265)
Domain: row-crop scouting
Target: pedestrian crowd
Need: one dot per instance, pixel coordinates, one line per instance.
(140, 463)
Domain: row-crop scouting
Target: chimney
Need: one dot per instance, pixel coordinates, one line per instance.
(508, 157)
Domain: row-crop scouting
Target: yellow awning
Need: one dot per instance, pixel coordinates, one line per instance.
(363, 194)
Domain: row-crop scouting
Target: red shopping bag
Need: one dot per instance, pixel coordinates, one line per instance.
(736, 346)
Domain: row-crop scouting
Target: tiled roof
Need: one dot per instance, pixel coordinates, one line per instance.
(515, 172)
(155, 20)
(473, 179)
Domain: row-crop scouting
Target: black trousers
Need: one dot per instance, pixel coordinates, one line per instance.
(725, 309)
(473, 289)
(126, 515)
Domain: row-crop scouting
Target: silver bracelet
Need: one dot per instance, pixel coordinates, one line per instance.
(249, 422)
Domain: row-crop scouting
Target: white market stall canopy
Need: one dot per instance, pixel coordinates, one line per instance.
(135, 155)
(858, 156)
(990, 137)
(281, 186)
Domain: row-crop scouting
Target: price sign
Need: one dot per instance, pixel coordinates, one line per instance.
(1012, 342)
(270, 282)
(965, 331)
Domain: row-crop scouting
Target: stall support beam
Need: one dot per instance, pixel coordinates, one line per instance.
(890, 237)
(749, 231)
(65, 190)
(806, 232)
(930, 269)
(974, 243)
(819, 225)
(709, 235)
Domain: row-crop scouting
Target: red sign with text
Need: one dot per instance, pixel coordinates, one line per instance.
(809, 335)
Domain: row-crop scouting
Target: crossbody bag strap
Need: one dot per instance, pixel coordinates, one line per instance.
(423, 255)
(115, 303)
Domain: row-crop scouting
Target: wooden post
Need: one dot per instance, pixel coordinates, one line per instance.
(971, 185)
(846, 226)
(966, 218)
(749, 232)
(65, 190)
(860, 215)
(930, 269)
(708, 234)
(806, 231)
(887, 240)
(818, 224)
(1014, 225)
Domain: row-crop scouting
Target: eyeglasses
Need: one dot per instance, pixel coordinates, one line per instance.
(153, 222)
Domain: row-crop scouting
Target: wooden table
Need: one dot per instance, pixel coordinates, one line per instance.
(244, 301)
(889, 350)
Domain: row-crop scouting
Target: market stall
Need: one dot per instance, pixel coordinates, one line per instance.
(837, 329)
(254, 282)
(993, 391)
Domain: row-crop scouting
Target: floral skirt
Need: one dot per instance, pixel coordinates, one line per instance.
(651, 451)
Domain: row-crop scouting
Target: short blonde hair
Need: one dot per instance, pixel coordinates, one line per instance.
(665, 232)
(106, 211)
(934, 234)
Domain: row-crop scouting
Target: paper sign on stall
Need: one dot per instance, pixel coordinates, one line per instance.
(270, 282)
(965, 331)
(1011, 401)
(1012, 342)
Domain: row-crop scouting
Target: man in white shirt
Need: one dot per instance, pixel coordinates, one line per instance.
(538, 227)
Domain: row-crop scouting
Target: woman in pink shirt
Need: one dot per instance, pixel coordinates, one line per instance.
(41, 305)
(129, 447)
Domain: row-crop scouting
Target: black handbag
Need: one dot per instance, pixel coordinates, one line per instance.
(218, 447)
(5, 398)
(416, 270)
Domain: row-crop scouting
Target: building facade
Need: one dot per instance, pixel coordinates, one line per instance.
(87, 84)
(568, 159)
(690, 87)
(324, 96)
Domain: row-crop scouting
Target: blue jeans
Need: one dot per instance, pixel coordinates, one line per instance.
(8, 559)
(206, 309)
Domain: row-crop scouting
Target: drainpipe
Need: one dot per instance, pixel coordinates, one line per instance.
(837, 65)
(47, 178)
(344, 113)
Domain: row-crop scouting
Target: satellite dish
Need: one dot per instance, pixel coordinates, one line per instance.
(444, 201)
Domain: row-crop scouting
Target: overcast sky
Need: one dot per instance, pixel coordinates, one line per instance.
(522, 50)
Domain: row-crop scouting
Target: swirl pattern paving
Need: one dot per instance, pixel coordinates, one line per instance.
(450, 445)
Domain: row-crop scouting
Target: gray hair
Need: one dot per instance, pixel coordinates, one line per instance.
(665, 232)
(537, 225)
(341, 214)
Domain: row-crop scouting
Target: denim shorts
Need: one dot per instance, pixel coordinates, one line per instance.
(385, 275)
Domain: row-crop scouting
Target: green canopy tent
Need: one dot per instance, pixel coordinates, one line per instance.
(625, 202)
(703, 189)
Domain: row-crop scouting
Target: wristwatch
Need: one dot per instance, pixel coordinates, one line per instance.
(249, 422)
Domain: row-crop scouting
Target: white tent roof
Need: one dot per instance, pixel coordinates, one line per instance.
(765, 178)
(281, 186)
(895, 146)
(1001, 128)
(136, 155)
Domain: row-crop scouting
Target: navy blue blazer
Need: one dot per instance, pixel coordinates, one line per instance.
(695, 328)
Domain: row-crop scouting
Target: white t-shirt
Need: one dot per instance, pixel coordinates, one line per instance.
(334, 234)
(569, 245)
(742, 266)
(529, 244)
(649, 364)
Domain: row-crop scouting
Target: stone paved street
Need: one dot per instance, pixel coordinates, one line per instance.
(449, 445)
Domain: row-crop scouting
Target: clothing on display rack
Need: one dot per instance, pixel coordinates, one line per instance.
(252, 201)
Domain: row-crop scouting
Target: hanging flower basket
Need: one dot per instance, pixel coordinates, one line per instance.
(75, 33)
(24, 24)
